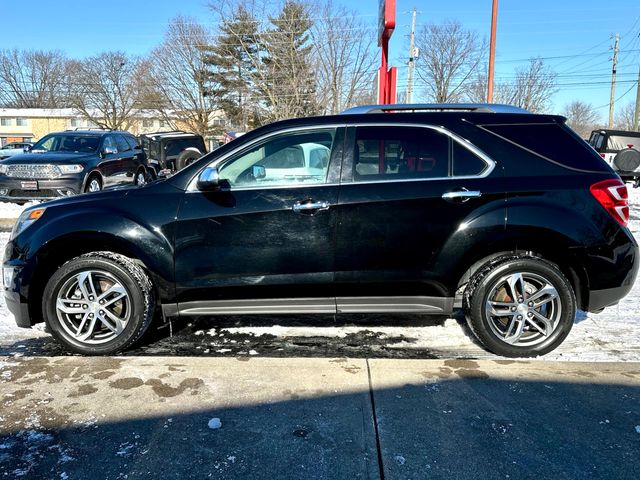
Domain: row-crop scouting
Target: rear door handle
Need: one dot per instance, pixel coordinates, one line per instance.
(462, 195)
(310, 207)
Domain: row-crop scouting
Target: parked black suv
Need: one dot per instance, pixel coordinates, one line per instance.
(416, 212)
(71, 162)
(171, 151)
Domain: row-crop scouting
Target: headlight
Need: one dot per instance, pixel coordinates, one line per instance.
(26, 219)
(70, 169)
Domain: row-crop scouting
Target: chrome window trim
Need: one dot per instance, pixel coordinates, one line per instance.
(491, 164)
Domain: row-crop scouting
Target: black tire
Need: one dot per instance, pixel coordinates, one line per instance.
(138, 306)
(488, 283)
(88, 188)
(627, 160)
(187, 157)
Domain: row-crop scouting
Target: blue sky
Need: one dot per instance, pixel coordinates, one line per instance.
(575, 37)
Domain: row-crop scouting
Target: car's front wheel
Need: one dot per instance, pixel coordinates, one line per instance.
(99, 303)
(520, 306)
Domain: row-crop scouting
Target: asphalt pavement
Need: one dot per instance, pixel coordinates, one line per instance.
(247, 417)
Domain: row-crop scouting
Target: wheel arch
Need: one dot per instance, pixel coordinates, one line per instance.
(552, 247)
(55, 252)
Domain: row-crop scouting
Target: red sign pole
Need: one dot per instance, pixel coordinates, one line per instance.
(386, 75)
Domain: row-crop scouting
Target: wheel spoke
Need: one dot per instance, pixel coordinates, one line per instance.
(82, 323)
(544, 295)
(513, 282)
(548, 325)
(512, 336)
(118, 324)
(505, 308)
(61, 305)
(89, 332)
(116, 289)
(86, 292)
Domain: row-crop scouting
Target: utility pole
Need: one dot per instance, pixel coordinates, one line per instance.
(411, 57)
(492, 51)
(636, 117)
(613, 81)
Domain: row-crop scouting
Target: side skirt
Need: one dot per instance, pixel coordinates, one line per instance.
(328, 305)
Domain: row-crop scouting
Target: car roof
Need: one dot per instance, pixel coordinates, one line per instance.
(96, 132)
(436, 107)
(172, 134)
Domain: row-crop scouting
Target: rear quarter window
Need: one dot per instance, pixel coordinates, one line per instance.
(551, 141)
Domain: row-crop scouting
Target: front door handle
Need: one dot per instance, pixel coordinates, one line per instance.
(310, 207)
(462, 195)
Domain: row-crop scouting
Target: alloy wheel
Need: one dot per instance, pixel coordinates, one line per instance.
(93, 307)
(94, 185)
(523, 309)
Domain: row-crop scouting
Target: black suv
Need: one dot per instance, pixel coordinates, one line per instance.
(420, 212)
(171, 151)
(71, 162)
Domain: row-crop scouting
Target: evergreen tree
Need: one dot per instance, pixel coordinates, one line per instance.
(232, 61)
(287, 81)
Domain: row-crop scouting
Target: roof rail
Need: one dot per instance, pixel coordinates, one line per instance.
(86, 129)
(436, 107)
(163, 132)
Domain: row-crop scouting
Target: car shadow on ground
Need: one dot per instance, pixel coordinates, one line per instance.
(459, 427)
(208, 336)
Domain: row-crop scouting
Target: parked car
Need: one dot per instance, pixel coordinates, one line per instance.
(67, 163)
(425, 211)
(621, 150)
(172, 151)
(13, 148)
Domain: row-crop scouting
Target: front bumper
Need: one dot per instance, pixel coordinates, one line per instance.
(13, 189)
(16, 302)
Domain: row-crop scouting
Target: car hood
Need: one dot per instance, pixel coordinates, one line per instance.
(52, 157)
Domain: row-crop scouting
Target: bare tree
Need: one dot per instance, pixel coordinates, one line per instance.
(533, 87)
(624, 117)
(344, 57)
(450, 56)
(477, 90)
(31, 78)
(104, 89)
(180, 87)
(582, 117)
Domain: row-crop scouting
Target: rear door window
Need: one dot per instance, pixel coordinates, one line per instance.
(390, 152)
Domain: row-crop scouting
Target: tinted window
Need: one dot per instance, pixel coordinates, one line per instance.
(551, 141)
(287, 159)
(122, 144)
(400, 152)
(132, 141)
(465, 162)
(109, 141)
(67, 143)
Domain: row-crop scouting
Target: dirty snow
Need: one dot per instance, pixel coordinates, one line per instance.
(613, 335)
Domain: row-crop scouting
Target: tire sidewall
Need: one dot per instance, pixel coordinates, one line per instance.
(74, 267)
(481, 323)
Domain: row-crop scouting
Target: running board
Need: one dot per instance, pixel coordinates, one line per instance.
(327, 305)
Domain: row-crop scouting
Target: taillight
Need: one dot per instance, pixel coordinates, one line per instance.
(612, 195)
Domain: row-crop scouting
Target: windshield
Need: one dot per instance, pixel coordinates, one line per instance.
(67, 143)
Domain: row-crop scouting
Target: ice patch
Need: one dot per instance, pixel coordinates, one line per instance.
(214, 423)
(637, 428)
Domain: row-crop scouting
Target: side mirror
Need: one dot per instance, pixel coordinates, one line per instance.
(258, 171)
(109, 151)
(209, 180)
(27, 148)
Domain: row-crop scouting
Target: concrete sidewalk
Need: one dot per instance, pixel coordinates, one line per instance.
(146, 417)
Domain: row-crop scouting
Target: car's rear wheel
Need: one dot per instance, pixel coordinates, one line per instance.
(520, 306)
(99, 303)
(94, 184)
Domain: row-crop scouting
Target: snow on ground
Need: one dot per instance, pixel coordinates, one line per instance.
(13, 210)
(613, 335)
